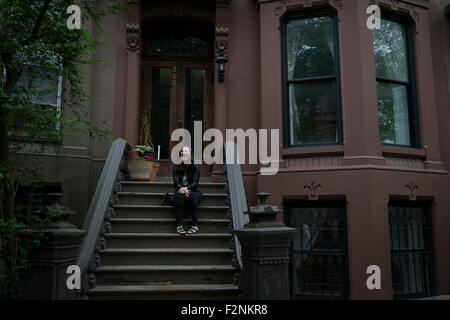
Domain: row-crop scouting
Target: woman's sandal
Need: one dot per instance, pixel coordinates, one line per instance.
(180, 230)
(193, 230)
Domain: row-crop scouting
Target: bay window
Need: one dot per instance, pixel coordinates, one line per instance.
(397, 115)
(311, 80)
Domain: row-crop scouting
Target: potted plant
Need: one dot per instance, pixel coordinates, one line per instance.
(141, 165)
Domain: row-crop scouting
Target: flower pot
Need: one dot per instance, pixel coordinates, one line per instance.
(140, 170)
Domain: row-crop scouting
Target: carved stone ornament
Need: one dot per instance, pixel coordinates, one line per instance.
(221, 41)
(133, 38)
(222, 27)
(284, 5)
(133, 27)
(412, 191)
(401, 6)
(312, 189)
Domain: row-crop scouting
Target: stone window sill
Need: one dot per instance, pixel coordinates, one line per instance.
(404, 152)
(331, 150)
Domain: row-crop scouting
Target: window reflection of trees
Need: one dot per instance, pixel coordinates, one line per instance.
(312, 80)
(393, 82)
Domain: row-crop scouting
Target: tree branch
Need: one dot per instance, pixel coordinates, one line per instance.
(39, 20)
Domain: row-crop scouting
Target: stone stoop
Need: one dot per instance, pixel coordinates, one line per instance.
(145, 259)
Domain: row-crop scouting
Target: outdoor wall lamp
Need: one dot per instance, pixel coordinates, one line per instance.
(221, 61)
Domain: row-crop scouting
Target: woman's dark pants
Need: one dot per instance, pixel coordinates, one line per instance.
(181, 201)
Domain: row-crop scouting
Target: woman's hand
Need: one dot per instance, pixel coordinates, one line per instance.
(184, 191)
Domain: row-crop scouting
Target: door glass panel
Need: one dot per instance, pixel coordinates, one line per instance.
(194, 98)
(160, 109)
(176, 45)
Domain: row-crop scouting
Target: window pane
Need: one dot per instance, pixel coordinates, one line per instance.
(194, 97)
(310, 46)
(313, 112)
(393, 116)
(40, 85)
(160, 114)
(174, 44)
(389, 43)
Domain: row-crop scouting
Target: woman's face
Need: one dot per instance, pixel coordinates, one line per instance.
(185, 153)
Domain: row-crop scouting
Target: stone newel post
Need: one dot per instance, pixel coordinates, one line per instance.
(46, 277)
(265, 253)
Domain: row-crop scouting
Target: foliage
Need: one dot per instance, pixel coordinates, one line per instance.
(43, 66)
(141, 152)
(16, 264)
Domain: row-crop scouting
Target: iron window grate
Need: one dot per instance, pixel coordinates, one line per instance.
(411, 252)
(319, 266)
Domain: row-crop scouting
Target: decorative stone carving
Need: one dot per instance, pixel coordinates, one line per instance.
(133, 26)
(412, 191)
(394, 4)
(338, 3)
(401, 6)
(221, 41)
(313, 187)
(222, 27)
(272, 283)
(285, 5)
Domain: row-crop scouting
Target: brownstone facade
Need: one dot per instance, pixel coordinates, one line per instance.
(368, 178)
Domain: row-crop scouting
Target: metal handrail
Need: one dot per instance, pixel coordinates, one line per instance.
(236, 193)
(101, 208)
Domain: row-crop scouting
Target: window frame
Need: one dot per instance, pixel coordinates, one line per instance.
(427, 211)
(57, 106)
(305, 14)
(342, 207)
(411, 85)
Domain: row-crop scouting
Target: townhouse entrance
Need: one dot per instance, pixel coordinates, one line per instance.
(176, 81)
(175, 95)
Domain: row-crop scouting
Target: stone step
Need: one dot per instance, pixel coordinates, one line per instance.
(167, 240)
(148, 275)
(162, 212)
(119, 225)
(166, 292)
(149, 187)
(166, 256)
(152, 198)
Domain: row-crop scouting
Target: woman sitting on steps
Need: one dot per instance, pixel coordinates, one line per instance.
(186, 178)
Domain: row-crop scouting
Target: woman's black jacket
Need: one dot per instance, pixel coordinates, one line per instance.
(193, 177)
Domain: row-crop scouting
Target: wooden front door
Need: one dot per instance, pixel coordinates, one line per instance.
(175, 94)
